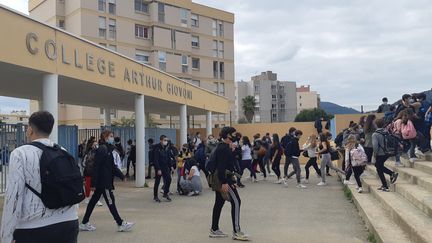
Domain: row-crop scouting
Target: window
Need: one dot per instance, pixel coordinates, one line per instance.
(142, 56)
(183, 17)
(215, 48)
(214, 27)
(103, 44)
(221, 28)
(196, 63)
(257, 88)
(222, 89)
(112, 29)
(300, 105)
(273, 87)
(194, 20)
(102, 27)
(280, 96)
(196, 82)
(141, 31)
(61, 24)
(300, 96)
(184, 64)
(112, 6)
(216, 87)
(273, 97)
(195, 41)
(221, 49)
(141, 6)
(222, 70)
(162, 60)
(274, 106)
(215, 69)
(282, 106)
(112, 47)
(161, 12)
(274, 116)
(101, 5)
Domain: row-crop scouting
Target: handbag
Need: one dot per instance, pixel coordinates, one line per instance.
(334, 154)
(305, 154)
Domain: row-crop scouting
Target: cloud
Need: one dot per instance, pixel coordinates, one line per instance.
(9, 104)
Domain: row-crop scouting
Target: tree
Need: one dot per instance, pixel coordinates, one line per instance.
(242, 121)
(125, 122)
(310, 115)
(248, 105)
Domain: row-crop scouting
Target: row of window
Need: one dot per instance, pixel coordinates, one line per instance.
(112, 29)
(282, 106)
(111, 6)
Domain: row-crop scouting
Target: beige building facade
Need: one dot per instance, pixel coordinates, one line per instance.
(187, 40)
(307, 99)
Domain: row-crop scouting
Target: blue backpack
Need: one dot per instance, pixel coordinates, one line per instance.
(200, 156)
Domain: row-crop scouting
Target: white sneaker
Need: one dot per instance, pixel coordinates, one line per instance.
(217, 234)
(419, 153)
(87, 227)
(322, 184)
(301, 186)
(412, 160)
(360, 190)
(87, 200)
(285, 182)
(399, 164)
(278, 181)
(346, 182)
(191, 194)
(99, 204)
(271, 174)
(255, 180)
(306, 181)
(125, 226)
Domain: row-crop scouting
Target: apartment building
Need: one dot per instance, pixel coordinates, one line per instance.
(276, 100)
(307, 99)
(187, 40)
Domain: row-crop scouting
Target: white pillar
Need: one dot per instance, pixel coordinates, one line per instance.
(183, 125)
(209, 124)
(140, 143)
(107, 117)
(50, 101)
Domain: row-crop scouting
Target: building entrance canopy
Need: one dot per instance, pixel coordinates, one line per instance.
(88, 74)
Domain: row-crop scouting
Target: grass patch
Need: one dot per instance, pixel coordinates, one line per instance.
(347, 193)
(371, 238)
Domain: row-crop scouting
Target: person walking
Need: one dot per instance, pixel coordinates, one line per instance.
(89, 162)
(378, 142)
(163, 167)
(247, 158)
(151, 145)
(25, 217)
(294, 158)
(276, 154)
(310, 147)
(355, 158)
(369, 128)
(102, 182)
(286, 140)
(324, 152)
(131, 158)
(318, 124)
(224, 162)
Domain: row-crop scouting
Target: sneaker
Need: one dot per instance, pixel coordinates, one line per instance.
(357, 187)
(240, 185)
(255, 180)
(301, 186)
(125, 226)
(240, 236)
(217, 234)
(412, 160)
(285, 182)
(148, 177)
(272, 174)
(87, 227)
(322, 184)
(306, 181)
(360, 190)
(156, 199)
(87, 200)
(190, 194)
(167, 198)
(328, 174)
(394, 177)
(99, 204)
(347, 182)
(384, 189)
(399, 164)
(418, 153)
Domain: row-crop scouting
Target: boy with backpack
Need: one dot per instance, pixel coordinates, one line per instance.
(50, 216)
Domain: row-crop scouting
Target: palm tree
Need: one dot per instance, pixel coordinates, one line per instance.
(248, 106)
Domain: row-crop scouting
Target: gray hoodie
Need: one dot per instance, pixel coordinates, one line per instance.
(378, 142)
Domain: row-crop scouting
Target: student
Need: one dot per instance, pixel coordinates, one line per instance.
(131, 158)
(355, 157)
(267, 142)
(401, 126)
(151, 145)
(369, 128)
(276, 154)
(381, 157)
(259, 152)
(310, 147)
(210, 145)
(183, 156)
(384, 107)
(194, 176)
(318, 124)
(324, 151)
(89, 162)
(406, 104)
(25, 217)
(163, 167)
(196, 141)
(225, 163)
(237, 152)
(286, 140)
(102, 182)
(294, 158)
(119, 147)
(247, 158)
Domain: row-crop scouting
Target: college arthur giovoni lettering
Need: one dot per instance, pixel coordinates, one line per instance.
(102, 66)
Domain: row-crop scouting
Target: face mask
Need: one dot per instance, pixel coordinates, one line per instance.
(165, 143)
(411, 100)
(110, 141)
(385, 103)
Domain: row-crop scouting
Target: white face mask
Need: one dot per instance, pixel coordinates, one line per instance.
(165, 143)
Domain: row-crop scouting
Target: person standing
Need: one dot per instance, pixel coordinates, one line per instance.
(163, 168)
(311, 147)
(294, 158)
(89, 162)
(131, 158)
(324, 151)
(318, 124)
(369, 128)
(286, 140)
(276, 154)
(196, 141)
(25, 217)
(102, 183)
(384, 107)
(224, 161)
(381, 157)
(151, 145)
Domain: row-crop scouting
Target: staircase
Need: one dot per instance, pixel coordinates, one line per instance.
(405, 213)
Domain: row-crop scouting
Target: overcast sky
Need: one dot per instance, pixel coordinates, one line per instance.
(352, 52)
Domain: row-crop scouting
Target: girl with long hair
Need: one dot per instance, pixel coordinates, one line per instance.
(369, 128)
(324, 151)
(276, 155)
(246, 162)
(310, 147)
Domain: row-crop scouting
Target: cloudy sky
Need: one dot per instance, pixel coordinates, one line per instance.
(352, 52)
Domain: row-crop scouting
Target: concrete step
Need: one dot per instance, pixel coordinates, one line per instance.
(377, 220)
(413, 176)
(425, 166)
(415, 223)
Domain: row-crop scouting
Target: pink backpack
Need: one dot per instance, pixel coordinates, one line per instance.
(358, 156)
(408, 131)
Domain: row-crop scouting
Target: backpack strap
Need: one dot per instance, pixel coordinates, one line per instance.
(39, 195)
(42, 147)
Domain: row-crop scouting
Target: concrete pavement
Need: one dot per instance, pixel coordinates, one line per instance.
(269, 213)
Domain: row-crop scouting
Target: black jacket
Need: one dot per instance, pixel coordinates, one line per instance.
(295, 147)
(318, 124)
(224, 161)
(104, 168)
(162, 157)
(286, 143)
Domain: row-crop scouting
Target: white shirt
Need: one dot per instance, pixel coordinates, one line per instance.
(117, 159)
(246, 153)
(311, 151)
(22, 208)
(196, 170)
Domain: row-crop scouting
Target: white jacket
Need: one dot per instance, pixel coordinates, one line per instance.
(355, 162)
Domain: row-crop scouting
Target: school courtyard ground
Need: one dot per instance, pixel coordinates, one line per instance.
(269, 213)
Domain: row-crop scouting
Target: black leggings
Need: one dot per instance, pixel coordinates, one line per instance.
(247, 164)
(262, 166)
(381, 169)
(64, 232)
(166, 174)
(276, 166)
(358, 170)
(110, 201)
(235, 209)
(369, 153)
(128, 166)
(312, 162)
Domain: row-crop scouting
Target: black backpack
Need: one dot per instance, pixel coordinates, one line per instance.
(392, 143)
(89, 163)
(210, 164)
(61, 180)
(339, 139)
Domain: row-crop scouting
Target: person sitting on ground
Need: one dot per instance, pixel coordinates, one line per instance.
(194, 176)
(183, 156)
